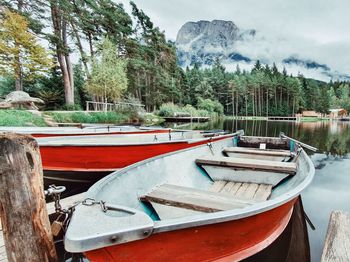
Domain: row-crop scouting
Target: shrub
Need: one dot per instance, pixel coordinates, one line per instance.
(168, 109)
(212, 106)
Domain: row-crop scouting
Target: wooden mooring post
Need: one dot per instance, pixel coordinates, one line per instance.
(25, 223)
(337, 243)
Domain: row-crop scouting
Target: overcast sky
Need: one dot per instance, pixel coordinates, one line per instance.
(312, 29)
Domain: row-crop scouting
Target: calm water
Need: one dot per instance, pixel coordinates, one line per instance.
(330, 189)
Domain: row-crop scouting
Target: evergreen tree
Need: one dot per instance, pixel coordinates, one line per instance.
(21, 55)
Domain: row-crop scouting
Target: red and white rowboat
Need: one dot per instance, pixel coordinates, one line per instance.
(86, 131)
(89, 158)
(223, 201)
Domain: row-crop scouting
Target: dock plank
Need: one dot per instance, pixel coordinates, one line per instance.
(337, 243)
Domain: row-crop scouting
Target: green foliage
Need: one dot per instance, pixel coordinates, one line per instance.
(20, 118)
(212, 106)
(170, 110)
(108, 77)
(93, 117)
(7, 85)
(75, 107)
(80, 95)
(20, 54)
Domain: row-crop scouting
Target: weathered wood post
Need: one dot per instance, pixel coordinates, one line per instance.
(25, 222)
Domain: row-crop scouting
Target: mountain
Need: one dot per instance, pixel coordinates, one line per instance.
(203, 42)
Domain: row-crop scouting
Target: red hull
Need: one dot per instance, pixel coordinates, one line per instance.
(155, 131)
(228, 241)
(105, 158)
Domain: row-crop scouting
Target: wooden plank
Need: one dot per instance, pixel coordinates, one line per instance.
(263, 192)
(235, 188)
(171, 212)
(337, 243)
(227, 188)
(191, 198)
(242, 189)
(254, 164)
(256, 151)
(217, 186)
(249, 192)
(218, 173)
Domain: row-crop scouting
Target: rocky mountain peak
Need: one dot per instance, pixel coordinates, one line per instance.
(217, 32)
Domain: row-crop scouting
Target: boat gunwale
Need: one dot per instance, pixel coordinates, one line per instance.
(216, 217)
(188, 141)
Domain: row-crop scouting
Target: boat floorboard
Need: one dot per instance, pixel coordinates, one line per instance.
(245, 191)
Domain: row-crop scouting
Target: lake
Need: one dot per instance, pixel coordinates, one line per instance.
(330, 189)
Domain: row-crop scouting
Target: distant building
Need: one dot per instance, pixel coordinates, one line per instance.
(335, 113)
(310, 114)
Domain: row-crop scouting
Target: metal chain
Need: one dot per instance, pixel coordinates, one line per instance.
(91, 202)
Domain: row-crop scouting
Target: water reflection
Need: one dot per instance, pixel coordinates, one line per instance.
(330, 188)
(330, 137)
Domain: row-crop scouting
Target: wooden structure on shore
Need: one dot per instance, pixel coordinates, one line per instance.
(282, 118)
(337, 243)
(197, 119)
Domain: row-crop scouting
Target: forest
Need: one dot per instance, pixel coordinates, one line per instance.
(69, 51)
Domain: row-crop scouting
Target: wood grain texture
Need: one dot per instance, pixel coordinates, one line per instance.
(256, 151)
(254, 164)
(195, 199)
(245, 191)
(25, 223)
(337, 243)
(65, 202)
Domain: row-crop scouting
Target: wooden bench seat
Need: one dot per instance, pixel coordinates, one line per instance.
(193, 199)
(257, 151)
(251, 164)
(245, 191)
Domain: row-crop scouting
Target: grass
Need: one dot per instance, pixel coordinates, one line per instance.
(91, 117)
(20, 118)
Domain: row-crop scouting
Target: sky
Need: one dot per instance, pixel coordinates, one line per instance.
(312, 29)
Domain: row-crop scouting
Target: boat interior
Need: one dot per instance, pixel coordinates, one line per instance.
(237, 173)
(239, 176)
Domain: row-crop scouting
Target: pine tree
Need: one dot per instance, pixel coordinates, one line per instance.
(21, 55)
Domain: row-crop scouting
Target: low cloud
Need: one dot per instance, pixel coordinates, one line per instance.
(315, 29)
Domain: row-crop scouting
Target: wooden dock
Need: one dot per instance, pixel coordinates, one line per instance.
(282, 118)
(66, 202)
(198, 119)
(337, 243)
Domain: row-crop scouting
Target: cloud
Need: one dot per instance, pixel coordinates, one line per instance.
(313, 29)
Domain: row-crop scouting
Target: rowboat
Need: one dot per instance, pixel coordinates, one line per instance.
(197, 204)
(89, 130)
(86, 159)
